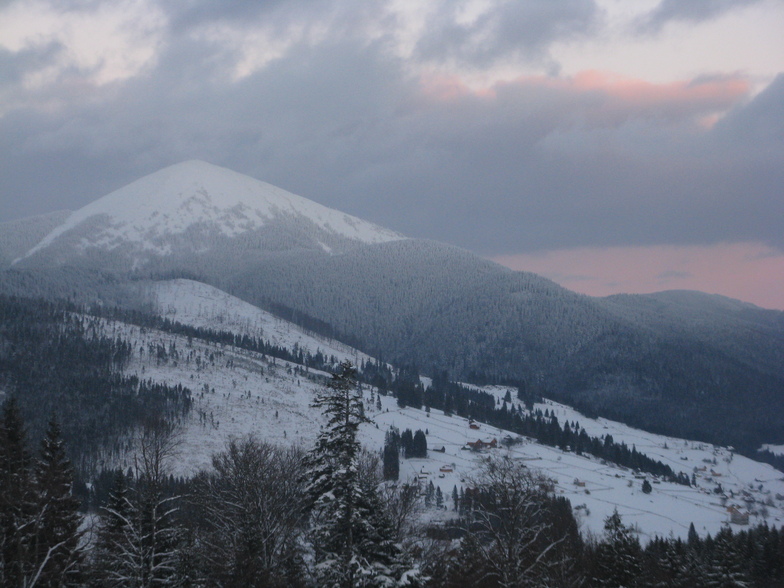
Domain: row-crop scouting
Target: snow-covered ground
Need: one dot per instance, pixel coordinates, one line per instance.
(777, 449)
(200, 305)
(596, 488)
(237, 392)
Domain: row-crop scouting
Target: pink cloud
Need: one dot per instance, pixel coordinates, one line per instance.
(752, 272)
(602, 97)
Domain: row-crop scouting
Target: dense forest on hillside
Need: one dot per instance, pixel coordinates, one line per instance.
(693, 365)
(53, 361)
(616, 398)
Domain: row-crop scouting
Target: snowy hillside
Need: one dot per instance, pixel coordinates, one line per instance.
(676, 362)
(195, 196)
(237, 392)
(201, 305)
(596, 488)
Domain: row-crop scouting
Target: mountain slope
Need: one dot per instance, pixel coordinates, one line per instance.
(196, 208)
(239, 392)
(715, 375)
(684, 364)
(204, 306)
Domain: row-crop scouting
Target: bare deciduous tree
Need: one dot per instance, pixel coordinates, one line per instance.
(511, 535)
(139, 540)
(250, 506)
(401, 502)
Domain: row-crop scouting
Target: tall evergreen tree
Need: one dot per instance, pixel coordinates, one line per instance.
(618, 560)
(726, 565)
(391, 458)
(57, 555)
(419, 444)
(351, 538)
(17, 499)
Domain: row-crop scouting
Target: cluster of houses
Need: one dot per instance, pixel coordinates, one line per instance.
(479, 444)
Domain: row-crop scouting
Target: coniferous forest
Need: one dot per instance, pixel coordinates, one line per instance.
(264, 515)
(57, 362)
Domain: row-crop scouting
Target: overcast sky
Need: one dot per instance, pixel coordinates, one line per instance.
(612, 145)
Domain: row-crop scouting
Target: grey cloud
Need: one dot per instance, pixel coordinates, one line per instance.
(342, 123)
(16, 64)
(761, 123)
(184, 16)
(687, 11)
(508, 28)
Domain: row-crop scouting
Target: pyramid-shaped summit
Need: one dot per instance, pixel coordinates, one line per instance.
(196, 207)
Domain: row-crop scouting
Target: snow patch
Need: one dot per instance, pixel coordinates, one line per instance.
(775, 449)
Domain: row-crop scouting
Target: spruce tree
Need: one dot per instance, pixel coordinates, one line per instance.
(419, 444)
(349, 532)
(618, 559)
(391, 459)
(57, 554)
(726, 565)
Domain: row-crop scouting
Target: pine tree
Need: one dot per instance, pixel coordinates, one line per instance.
(726, 564)
(57, 554)
(693, 539)
(407, 443)
(350, 536)
(419, 444)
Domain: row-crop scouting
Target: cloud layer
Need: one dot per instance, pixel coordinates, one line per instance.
(451, 120)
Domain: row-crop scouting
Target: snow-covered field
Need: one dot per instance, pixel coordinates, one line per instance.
(238, 393)
(596, 488)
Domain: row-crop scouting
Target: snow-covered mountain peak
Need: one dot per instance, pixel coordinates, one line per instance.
(196, 194)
